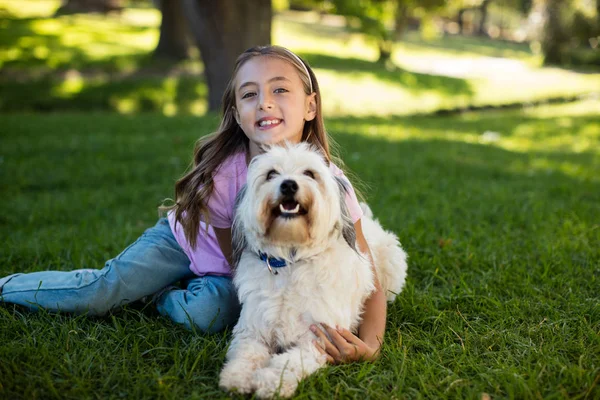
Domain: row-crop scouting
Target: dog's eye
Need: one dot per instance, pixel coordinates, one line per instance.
(309, 173)
(271, 174)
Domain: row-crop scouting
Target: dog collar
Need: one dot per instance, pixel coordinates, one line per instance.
(272, 262)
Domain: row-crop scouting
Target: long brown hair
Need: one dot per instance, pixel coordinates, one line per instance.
(195, 187)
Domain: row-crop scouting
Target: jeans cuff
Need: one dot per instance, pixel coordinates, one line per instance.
(5, 280)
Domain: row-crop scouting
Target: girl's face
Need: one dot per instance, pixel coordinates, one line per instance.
(271, 105)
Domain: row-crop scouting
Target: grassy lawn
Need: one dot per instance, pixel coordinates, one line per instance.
(499, 212)
(90, 62)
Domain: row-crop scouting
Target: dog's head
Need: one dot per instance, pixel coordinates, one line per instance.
(291, 201)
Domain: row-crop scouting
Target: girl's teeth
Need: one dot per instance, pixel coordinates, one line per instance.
(269, 122)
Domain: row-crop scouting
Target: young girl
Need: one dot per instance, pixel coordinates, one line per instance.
(273, 96)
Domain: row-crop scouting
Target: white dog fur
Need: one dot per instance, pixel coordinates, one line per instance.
(326, 280)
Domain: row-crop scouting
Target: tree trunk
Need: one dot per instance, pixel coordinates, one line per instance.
(553, 34)
(483, 9)
(222, 30)
(401, 20)
(86, 6)
(174, 41)
(460, 20)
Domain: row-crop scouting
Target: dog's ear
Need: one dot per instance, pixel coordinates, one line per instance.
(238, 239)
(347, 226)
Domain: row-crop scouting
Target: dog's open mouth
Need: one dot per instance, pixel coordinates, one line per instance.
(289, 208)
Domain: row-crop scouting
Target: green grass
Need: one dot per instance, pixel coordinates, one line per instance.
(83, 62)
(502, 230)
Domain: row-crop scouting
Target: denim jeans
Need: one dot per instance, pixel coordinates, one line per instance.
(147, 267)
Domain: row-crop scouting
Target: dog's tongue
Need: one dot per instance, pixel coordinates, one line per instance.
(289, 205)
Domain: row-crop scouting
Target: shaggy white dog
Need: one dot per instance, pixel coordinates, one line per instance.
(296, 264)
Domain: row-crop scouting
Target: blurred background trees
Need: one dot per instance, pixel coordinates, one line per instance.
(566, 32)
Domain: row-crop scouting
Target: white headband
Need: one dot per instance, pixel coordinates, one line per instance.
(303, 66)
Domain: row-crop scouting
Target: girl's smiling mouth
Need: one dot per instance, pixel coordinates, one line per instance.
(267, 123)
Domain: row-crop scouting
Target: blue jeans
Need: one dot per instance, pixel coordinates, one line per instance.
(147, 267)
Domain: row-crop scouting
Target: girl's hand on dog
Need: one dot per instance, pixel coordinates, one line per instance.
(344, 346)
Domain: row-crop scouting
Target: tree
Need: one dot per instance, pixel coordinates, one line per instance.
(370, 15)
(553, 35)
(374, 16)
(223, 29)
(405, 9)
(473, 7)
(483, 11)
(174, 40)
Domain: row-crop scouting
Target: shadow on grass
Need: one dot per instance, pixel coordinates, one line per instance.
(42, 49)
(35, 78)
(42, 44)
(187, 94)
(412, 81)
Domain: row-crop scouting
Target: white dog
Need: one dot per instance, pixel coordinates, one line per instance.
(297, 265)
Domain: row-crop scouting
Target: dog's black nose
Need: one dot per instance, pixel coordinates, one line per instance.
(288, 187)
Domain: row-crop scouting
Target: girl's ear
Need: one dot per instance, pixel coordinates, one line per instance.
(236, 114)
(311, 107)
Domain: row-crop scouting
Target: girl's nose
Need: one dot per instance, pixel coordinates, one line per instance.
(265, 102)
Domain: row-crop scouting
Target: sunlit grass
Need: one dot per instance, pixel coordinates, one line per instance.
(542, 132)
(29, 8)
(76, 41)
(529, 129)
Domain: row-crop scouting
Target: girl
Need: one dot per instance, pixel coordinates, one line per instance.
(273, 96)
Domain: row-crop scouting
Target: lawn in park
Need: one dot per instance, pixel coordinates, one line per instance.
(499, 210)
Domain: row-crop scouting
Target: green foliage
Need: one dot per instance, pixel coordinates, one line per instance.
(501, 229)
(371, 16)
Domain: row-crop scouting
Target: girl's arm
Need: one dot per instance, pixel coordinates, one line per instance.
(344, 345)
(372, 327)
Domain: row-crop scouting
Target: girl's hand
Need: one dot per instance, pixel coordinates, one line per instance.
(344, 346)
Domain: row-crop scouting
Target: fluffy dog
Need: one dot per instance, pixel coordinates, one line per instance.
(296, 264)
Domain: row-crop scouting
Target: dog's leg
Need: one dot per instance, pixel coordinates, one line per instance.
(285, 370)
(244, 356)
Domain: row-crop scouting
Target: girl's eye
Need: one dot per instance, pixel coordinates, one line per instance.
(309, 173)
(272, 173)
(247, 95)
(281, 90)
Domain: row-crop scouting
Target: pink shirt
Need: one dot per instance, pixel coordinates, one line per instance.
(207, 258)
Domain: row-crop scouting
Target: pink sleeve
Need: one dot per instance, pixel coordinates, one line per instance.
(228, 180)
(220, 205)
(351, 201)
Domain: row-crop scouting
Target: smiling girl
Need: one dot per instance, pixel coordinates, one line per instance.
(272, 97)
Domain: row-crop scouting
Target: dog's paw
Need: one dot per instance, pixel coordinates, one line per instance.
(269, 382)
(235, 380)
